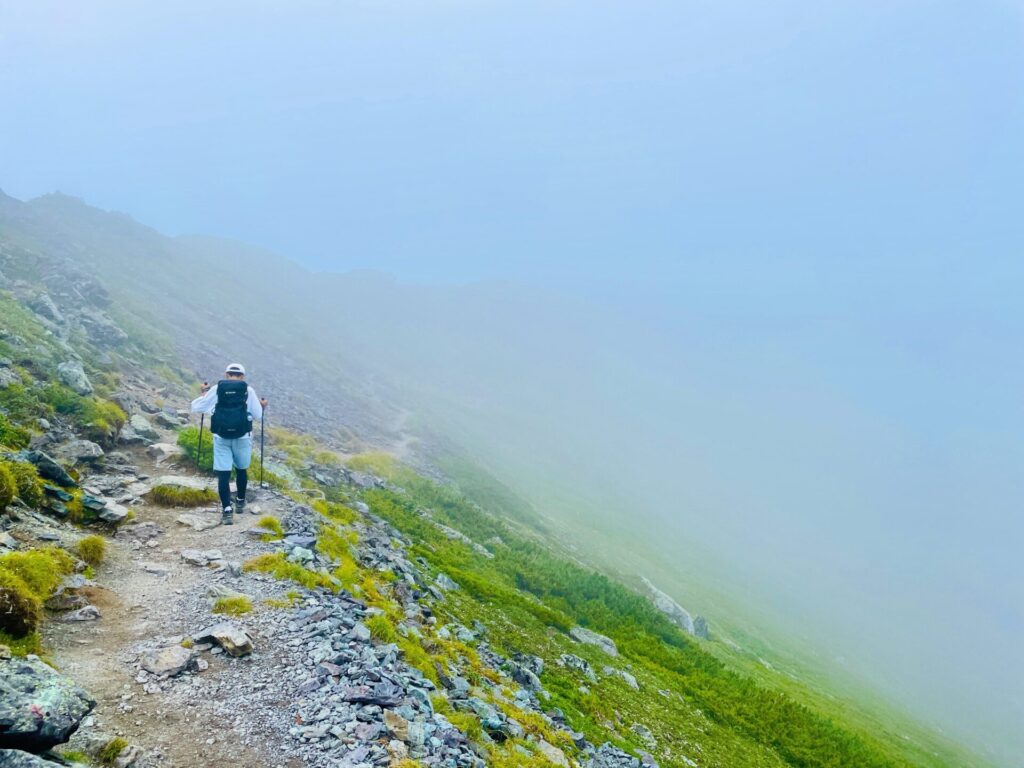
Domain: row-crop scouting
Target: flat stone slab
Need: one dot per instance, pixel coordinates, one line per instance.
(231, 637)
(167, 662)
(198, 522)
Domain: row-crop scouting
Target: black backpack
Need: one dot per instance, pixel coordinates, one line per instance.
(231, 416)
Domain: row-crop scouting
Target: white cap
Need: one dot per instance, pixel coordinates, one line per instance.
(235, 368)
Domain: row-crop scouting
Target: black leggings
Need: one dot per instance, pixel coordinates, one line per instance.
(224, 485)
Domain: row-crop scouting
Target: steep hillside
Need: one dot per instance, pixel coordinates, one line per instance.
(365, 614)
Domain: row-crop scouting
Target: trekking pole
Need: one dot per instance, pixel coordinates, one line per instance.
(199, 452)
(263, 422)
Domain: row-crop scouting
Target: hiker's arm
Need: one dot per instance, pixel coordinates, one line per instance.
(254, 406)
(205, 403)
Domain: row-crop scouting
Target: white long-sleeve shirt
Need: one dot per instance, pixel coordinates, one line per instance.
(208, 403)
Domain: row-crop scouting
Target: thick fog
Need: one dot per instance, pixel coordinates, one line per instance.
(731, 287)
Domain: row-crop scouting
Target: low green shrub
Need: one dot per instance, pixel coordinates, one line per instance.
(42, 570)
(177, 496)
(13, 436)
(21, 610)
(279, 567)
(92, 549)
(8, 486)
(30, 486)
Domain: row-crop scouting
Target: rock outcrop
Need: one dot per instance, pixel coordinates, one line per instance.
(679, 616)
(39, 707)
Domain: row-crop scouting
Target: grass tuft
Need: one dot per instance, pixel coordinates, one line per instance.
(92, 550)
(236, 605)
(176, 496)
(271, 523)
(381, 629)
(275, 564)
(111, 750)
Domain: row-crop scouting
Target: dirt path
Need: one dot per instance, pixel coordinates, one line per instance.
(149, 596)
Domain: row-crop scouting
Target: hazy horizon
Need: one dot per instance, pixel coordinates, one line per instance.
(752, 274)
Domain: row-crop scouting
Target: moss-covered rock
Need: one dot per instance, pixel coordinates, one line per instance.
(21, 610)
(8, 486)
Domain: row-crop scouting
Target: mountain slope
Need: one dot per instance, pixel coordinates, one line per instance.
(686, 707)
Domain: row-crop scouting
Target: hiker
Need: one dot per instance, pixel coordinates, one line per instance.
(234, 406)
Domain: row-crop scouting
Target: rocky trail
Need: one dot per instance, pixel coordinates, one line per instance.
(297, 680)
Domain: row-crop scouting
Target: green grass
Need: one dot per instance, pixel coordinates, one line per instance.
(235, 605)
(92, 549)
(22, 646)
(382, 629)
(111, 750)
(271, 523)
(178, 496)
(276, 564)
(529, 597)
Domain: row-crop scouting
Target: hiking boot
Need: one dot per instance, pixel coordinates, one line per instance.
(227, 517)
(240, 506)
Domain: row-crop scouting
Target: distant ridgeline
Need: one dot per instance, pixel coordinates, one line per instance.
(618, 666)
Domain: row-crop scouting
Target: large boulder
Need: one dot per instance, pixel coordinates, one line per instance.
(101, 329)
(47, 467)
(44, 306)
(78, 451)
(675, 612)
(73, 375)
(583, 635)
(139, 430)
(13, 758)
(39, 707)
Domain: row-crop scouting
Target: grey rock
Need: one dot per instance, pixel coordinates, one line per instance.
(73, 375)
(167, 662)
(584, 635)
(44, 306)
(201, 557)
(141, 426)
(78, 451)
(162, 452)
(700, 627)
(47, 467)
(626, 676)
(198, 522)
(609, 756)
(445, 582)
(12, 758)
(168, 420)
(101, 329)
(675, 612)
(113, 513)
(552, 753)
(39, 708)
(235, 640)
(8, 377)
(85, 613)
